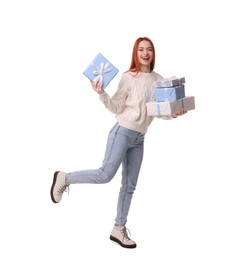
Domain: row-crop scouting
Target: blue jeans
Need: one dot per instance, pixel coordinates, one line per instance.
(123, 146)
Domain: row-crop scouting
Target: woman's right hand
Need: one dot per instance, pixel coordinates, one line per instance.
(97, 86)
(180, 113)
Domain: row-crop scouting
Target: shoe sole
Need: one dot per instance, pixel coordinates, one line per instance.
(120, 243)
(52, 187)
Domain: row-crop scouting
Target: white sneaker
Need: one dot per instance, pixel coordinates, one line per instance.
(119, 234)
(58, 187)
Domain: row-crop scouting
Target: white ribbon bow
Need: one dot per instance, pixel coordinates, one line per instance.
(99, 72)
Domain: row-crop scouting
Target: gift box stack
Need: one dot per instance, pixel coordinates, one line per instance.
(101, 69)
(169, 97)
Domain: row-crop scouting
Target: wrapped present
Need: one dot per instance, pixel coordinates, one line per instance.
(187, 103)
(169, 82)
(101, 69)
(167, 108)
(181, 90)
(169, 93)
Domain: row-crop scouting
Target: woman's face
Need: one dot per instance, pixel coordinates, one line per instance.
(145, 55)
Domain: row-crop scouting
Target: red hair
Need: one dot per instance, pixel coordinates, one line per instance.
(135, 65)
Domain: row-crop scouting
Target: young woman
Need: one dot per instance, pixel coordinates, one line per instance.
(125, 142)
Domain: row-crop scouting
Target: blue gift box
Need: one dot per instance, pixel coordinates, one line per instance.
(169, 93)
(101, 69)
(181, 90)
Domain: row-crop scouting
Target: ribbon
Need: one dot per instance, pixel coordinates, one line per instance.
(158, 109)
(99, 72)
(182, 103)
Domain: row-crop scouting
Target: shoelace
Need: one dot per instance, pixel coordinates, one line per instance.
(125, 232)
(64, 188)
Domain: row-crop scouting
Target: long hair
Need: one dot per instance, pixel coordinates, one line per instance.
(135, 65)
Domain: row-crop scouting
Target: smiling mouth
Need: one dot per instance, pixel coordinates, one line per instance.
(145, 58)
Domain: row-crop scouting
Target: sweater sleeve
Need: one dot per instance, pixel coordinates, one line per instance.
(116, 103)
(165, 117)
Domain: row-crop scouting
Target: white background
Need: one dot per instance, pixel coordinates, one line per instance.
(189, 202)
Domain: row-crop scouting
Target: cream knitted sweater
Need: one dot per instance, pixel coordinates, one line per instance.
(129, 101)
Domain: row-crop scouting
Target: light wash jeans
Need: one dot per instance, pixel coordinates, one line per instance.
(123, 146)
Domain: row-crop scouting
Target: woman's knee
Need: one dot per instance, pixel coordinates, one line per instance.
(105, 177)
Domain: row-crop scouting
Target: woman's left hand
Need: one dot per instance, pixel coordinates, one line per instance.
(97, 86)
